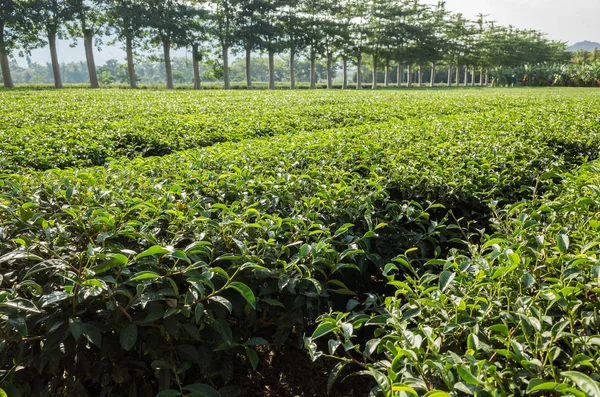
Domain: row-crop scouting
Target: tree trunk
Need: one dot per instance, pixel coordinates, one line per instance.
(457, 75)
(473, 77)
(130, 64)
(487, 77)
(226, 83)
(386, 78)
(345, 73)
(481, 77)
(313, 77)
(399, 75)
(54, 58)
(432, 82)
(466, 83)
(329, 71)
(420, 75)
(88, 41)
(409, 76)
(248, 68)
(359, 72)
(449, 76)
(292, 73)
(374, 85)
(196, 62)
(4, 64)
(167, 56)
(271, 70)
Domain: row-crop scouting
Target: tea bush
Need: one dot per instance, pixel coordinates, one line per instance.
(46, 129)
(403, 237)
(517, 314)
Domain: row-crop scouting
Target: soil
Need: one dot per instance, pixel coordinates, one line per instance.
(290, 372)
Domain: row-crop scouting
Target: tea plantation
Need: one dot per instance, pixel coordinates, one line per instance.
(411, 243)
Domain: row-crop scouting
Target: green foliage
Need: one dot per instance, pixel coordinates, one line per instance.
(437, 245)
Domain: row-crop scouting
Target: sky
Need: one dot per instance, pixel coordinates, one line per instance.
(571, 21)
(565, 20)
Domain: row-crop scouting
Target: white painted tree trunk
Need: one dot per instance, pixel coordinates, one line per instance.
(420, 75)
(432, 82)
(466, 82)
(409, 76)
(449, 76)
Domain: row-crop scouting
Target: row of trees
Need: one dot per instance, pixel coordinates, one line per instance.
(399, 34)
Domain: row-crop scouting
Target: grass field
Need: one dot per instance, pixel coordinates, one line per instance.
(441, 241)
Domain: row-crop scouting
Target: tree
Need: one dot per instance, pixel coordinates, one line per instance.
(52, 16)
(126, 18)
(250, 25)
(87, 21)
(225, 30)
(198, 36)
(17, 31)
(314, 12)
(294, 37)
(271, 34)
(171, 25)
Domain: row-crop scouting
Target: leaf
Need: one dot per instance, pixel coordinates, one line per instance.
(252, 357)
(222, 301)
(22, 305)
(563, 242)
(92, 334)
(245, 291)
(540, 385)
(146, 275)
(128, 336)
(382, 381)
(76, 328)
(335, 373)
(256, 342)
(155, 250)
(272, 302)
(169, 393)
(584, 382)
(437, 393)
(3, 393)
(53, 297)
(323, 329)
(223, 330)
(202, 390)
(445, 280)
(467, 376)
(405, 389)
(15, 255)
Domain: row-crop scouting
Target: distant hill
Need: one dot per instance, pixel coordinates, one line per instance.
(584, 45)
